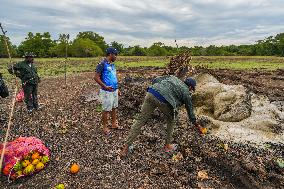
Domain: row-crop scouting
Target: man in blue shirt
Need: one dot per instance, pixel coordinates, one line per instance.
(106, 77)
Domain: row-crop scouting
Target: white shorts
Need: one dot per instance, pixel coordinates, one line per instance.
(109, 99)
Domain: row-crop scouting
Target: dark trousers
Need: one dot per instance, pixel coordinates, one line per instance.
(30, 91)
(149, 105)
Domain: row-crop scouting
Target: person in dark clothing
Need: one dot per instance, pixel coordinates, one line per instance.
(27, 72)
(167, 94)
(4, 92)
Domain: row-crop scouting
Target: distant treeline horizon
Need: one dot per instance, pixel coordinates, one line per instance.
(91, 44)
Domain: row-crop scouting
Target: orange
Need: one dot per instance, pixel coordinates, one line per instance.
(6, 171)
(203, 130)
(74, 168)
(35, 155)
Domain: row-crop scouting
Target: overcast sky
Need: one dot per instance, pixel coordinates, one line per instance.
(142, 22)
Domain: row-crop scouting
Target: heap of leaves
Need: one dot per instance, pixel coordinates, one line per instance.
(133, 90)
(179, 65)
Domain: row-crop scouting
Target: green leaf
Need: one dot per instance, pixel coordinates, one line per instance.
(280, 162)
(99, 108)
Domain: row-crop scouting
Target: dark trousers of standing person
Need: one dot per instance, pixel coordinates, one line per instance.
(30, 91)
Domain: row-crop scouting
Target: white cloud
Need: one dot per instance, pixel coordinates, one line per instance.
(14, 24)
(192, 22)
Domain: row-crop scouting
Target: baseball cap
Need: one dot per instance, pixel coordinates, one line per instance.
(190, 82)
(111, 50)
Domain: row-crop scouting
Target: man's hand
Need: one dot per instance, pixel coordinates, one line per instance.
(197, 125)
(118, 92)
(108, 88)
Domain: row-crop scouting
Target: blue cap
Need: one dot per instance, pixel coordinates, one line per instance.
(190, 82)
(111, 50)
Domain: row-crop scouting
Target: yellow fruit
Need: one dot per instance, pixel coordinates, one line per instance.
(39, 166)
(25, 163)
(44, 159)
(35, 155)
(74, 168)
(29, 169)
(19, 173)
(60, 186)
(35, 161)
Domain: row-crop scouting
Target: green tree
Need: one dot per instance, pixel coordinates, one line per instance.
(59, 49)
(118, 46)
(39, 44)
(137, 51)
(157, 49)
(280, 43)
(96, 38)
(3, 49)
(171, 50)
(85, 48)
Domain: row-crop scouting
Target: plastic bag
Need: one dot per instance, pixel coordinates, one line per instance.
(20, 96)
(24, 156)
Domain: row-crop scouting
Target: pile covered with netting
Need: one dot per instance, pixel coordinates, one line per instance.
(24, 156)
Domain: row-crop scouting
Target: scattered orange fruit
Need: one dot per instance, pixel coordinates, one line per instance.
(203, 130)
(74, 168)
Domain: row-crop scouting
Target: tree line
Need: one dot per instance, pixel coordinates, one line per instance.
(91, 44)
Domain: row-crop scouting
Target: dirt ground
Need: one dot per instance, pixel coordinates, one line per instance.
(70, 127)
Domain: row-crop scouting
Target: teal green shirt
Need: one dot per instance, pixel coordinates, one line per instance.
(176, 92)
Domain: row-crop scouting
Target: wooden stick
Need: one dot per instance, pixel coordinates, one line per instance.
(6, 43)
(12, 106)
(8, 128)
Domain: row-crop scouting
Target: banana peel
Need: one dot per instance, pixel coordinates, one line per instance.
(60, 186)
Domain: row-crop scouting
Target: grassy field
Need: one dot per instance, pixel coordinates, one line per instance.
(55, 66)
